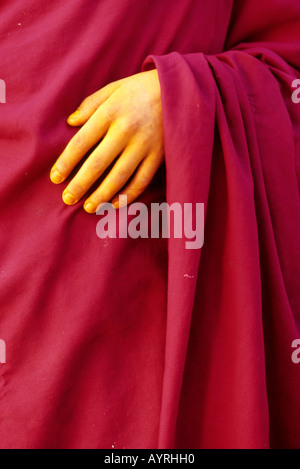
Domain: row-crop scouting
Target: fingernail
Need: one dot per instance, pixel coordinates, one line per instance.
(68, 198)
(74, 115)
(89, 207)
(55, 176)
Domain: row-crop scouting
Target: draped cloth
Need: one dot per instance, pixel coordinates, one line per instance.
(142, 343)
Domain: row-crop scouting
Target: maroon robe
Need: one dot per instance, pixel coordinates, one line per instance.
(142, 343)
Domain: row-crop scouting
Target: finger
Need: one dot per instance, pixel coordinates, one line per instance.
(111, 146)
(90, 104)
(117, 177)
(141, 179)
(79, 145)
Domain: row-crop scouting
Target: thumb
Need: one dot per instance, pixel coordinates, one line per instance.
(90, 104)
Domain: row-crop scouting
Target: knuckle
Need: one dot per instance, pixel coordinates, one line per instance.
(142, 182)
(108, 115)
(105, 196)
(133, 192)
(78, 142)
(127, 126)
(89, 101)
(96, 164)
(133, 124)
(102, 195)
(77, 187)
(120, 176)
(63, 166)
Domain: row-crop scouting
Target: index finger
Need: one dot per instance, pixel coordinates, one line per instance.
(91, 132)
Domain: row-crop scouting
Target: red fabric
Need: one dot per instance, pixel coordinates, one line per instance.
(141, 343)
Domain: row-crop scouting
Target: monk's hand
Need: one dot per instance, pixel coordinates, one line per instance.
(122, 123)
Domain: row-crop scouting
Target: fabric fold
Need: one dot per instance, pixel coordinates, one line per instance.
(143, 343)
(234, 97)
